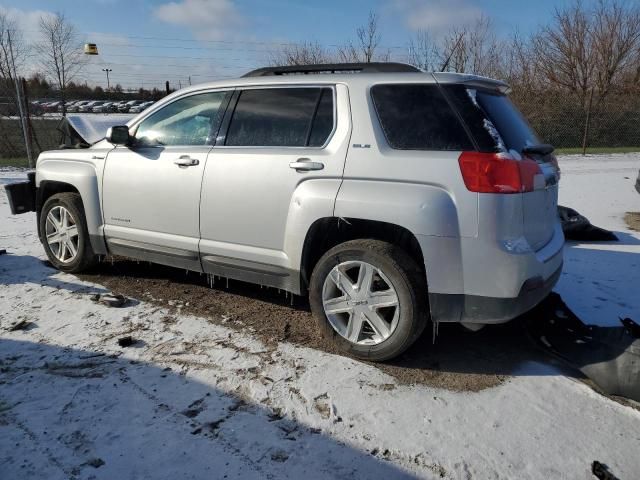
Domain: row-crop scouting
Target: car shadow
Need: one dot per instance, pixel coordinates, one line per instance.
(27, 269)
(72, 413)
(624, 238)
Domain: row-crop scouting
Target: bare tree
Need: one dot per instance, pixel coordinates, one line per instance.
(616, 40)
(473, 48)
(59, 52)
(13, 49)
(365, 50)
(422, 51)
(586, 51)
(306, 53)
(519, 66)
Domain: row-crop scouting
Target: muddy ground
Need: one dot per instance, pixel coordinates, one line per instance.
(633, 220)
(459, 360)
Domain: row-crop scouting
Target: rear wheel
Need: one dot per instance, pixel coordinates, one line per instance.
(369, 298)
(64, 234)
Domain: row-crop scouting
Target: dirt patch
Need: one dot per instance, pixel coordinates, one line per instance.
(633, 220)
(460, 360)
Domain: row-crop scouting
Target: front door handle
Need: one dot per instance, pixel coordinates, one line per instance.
(186, 161)
(305, 165)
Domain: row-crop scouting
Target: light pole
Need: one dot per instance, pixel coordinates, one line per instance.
(107, 70)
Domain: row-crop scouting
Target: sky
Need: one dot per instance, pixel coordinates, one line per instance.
(146, 42)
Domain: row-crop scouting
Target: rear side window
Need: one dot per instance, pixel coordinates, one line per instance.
(418, 117)
(282, 117)
(495, 123)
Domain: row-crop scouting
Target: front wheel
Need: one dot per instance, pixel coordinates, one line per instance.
(370, 298)
(64, 234)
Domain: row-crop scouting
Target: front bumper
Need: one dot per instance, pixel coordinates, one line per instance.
(22, 195)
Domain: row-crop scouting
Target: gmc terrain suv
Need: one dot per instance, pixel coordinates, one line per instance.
(390, 196)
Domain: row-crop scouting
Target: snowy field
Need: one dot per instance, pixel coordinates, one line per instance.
(193, 399)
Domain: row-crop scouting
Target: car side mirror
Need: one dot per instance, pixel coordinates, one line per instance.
(118, 135)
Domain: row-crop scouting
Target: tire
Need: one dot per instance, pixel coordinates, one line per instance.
(84, 256)
(393, 271)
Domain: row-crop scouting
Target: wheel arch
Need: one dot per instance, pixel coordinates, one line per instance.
(59, 176)
(327, 232)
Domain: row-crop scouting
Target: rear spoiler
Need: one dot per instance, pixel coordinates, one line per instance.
(476, 81)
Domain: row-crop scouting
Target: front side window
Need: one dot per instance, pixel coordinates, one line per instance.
(188, 121)
(418, 117)
(282, 117)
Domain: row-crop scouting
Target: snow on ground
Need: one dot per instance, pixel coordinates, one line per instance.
(601, 281)
(197, 400)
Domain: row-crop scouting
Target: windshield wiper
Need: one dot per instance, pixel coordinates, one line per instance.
(540, 149)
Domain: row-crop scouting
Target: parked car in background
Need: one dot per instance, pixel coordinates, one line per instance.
(88, 107)
(35, 107)
(141, 108)
(106, 107)
(132, 103)
(389, 196)
(68, 104)
(116, 105)
(75, 107)
(51, 107)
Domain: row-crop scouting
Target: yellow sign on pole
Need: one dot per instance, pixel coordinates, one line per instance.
(90, 49)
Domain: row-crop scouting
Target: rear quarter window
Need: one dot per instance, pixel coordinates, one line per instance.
(495, 123)
(418, 117)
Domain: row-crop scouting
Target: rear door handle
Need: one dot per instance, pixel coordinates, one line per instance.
(186, 161)
(305, 165)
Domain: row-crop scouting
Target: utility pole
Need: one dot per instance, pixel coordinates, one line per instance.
(107, 70)
(23, 122)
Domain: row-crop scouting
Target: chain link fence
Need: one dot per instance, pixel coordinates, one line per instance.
(561, 121)
(558, 119)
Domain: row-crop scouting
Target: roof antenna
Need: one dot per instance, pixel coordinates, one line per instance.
(453, 50)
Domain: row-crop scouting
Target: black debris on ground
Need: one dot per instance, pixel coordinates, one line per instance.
(578, 227)
(609, 356)
(127, 341)
(21, 325)
(602, 472)
(110, 299)
(95, 462)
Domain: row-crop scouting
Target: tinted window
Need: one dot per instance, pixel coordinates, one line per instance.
(280, 117)
(514, 129)
(495, 123)
(188, 121)
(418, 117)
(323, 121)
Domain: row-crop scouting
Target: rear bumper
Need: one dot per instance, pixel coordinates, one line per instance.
(487, 310)
(472, 280)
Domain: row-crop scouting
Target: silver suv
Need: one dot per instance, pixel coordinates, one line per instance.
(390, 196)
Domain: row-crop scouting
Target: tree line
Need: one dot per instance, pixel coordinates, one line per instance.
(577, 78)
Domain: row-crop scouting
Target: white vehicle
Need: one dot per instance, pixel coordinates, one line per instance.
(140, 108)
(390, 196)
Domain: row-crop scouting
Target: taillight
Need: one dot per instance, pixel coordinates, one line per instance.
(497, 172)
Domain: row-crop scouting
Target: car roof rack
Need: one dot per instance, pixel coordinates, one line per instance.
(373, 67)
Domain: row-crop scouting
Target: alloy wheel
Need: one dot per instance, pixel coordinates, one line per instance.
(61, 233)
(360, 303)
